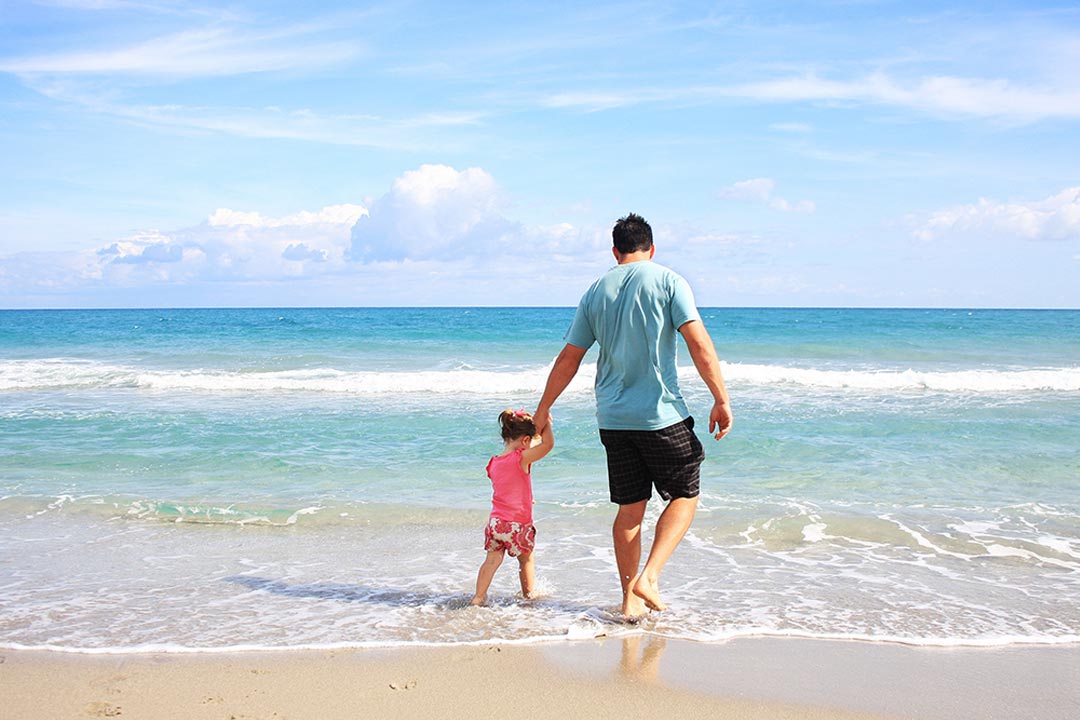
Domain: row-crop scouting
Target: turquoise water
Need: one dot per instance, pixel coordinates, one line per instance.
(208, 479)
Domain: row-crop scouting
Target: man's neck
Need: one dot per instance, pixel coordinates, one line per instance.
(640, 256)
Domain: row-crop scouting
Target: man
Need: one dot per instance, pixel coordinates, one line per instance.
(633, 312)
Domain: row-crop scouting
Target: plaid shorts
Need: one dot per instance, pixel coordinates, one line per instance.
(637, 460)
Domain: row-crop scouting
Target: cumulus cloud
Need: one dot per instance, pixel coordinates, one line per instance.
(434, 212)
(1054, 218)
(231, 245)
(150, 247)
(761, 190)
(438, 233)
(299, 252)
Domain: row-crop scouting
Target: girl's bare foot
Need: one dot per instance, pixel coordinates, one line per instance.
(478, 601)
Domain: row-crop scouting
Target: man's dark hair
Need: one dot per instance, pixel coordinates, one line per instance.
(631, 234)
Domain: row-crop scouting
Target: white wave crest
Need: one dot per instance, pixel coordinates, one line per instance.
(360, 383)
(63, 373)
(80, 374)
(970, 381)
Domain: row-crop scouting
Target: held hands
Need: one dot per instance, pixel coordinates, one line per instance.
(541, 419)
(720, 419)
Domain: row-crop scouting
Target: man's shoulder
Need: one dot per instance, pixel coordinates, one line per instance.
(642, 275)
(660, 277)
(665, 270)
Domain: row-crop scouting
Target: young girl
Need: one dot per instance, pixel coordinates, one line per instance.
(510, 528)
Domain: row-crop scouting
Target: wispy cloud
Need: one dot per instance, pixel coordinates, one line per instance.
(761, 190)
(944, 96)
(162, 7)
(216, 50)
(950, 96)
(409, 132)
(791, 127)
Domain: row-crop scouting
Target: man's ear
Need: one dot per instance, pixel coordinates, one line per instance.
(616, 253)
(652, 251)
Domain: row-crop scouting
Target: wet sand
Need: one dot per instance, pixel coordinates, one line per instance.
(638, 676)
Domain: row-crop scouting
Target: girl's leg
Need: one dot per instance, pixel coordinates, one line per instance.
(487, 572)
(527, 575)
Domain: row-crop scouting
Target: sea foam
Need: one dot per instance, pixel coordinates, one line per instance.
(68, 374)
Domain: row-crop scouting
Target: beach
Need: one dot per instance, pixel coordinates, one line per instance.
(639, 676)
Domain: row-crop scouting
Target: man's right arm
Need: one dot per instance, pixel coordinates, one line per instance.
(707, 363)
(562, 372)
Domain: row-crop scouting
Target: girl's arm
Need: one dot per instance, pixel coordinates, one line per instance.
(534, 453)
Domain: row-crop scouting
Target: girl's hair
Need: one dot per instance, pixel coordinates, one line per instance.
(516, 423)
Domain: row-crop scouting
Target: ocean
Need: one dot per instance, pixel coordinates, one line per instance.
(220, 479)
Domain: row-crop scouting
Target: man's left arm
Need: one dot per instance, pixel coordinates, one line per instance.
(562, 372)
(707, 363)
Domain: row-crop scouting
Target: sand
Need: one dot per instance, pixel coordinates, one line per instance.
(639, 676)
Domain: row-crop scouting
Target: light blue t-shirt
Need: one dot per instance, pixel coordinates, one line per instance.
(634, 311)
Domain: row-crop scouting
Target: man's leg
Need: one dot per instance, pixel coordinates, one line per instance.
(626, 534)
(670, 529)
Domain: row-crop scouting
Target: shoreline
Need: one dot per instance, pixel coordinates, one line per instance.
(632, 676)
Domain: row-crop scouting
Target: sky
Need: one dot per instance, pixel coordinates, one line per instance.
(169, 153)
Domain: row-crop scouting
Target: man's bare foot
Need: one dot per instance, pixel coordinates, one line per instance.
(649, 594)
(479, 601)
(633, 609)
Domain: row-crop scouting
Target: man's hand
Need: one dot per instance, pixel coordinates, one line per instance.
(720, 420)
(541, 418)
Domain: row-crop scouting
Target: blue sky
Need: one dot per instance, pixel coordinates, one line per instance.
(859, 153)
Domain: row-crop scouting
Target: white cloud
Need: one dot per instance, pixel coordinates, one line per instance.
(299, 252)
(231, 245)
(791, 127)
(148, 247)
(1054, 218)
(438, 236)
(757, 189)
(344, 214)
(434, 212)
(760, 190)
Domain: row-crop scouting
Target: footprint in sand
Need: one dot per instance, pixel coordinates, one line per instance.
(102, 709)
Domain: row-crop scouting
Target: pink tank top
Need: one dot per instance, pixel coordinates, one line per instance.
(511, 498)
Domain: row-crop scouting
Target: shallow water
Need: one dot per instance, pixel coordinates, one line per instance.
(208, 479)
